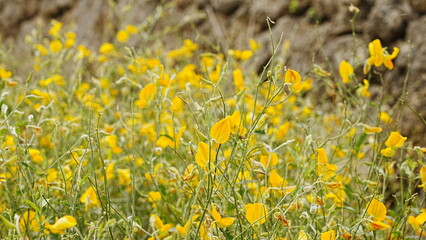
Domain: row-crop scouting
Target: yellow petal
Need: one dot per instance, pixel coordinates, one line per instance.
(395, 140)
(62, 224)
(226, 222)
(371, 130)
(256, 212)
(148, 91)
(302, 236)
(377, 225)
(329, 235)
(215, 214)
(423, 177)
(377, 210)
(221, 130)
(292, 76)
(346, 70)
(413, 222)
(276, 180)
(269, 160)
(322, 156)
(421, 218)
(204, 154)
(388, 152)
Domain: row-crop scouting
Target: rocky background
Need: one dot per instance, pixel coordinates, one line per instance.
(317, 30)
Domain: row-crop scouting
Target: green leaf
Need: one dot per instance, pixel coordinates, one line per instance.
(31, 204)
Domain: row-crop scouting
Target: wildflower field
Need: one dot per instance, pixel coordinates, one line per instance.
(146, 143)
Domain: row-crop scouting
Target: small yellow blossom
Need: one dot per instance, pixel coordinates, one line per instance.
(346, 71)
(124, 177)
(89, 198)
(4, 74)
(61, 224)
(293, 77)
(371, 130)
(221, 221)
(35, 155)
(106, 48)
(55, 46)
(385, 117)
(329, 235)
(122, 36)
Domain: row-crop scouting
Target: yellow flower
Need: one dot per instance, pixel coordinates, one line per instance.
(82, 52)
(254, 46)
(346, 70)
(395, 140)
(183, 231)
(238, 79)
(417, 222)
(256, 213)
(131, 29)
(388, 152)
(376, 225)
(385, 117)
(204, 155)
(388, 58)
(5, 74)
(235, 121)
(329, 235)
(276, 180)
(145, 95)
(322, 156)
(371, 130)
(110, 171)
(106, 48)
(376, 53)
(70, 40)
(35, 155)
(43, 51)
(269, 160)
(55, 29)
(222, 222)
(28, 221)
(293, 77)
(55, 46)
(163, 229)
(154, 197)
(324, 169)
(379, 56)
(221, 130)
(89, 198)
(302, 236)
(122, 36)
(124, 176)
(61, 224)
(363, 89)
(377, 210)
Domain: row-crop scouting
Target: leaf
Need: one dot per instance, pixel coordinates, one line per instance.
(31, 204)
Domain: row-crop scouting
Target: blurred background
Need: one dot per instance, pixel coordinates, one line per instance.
(319, 31)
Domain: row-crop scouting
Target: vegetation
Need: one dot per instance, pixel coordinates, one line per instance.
(140, 143)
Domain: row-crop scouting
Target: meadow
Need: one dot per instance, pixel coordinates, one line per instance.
(147, 143)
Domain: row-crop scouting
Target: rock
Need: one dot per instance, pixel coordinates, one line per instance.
(225, 6)
(386, 22)
(418, 6)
